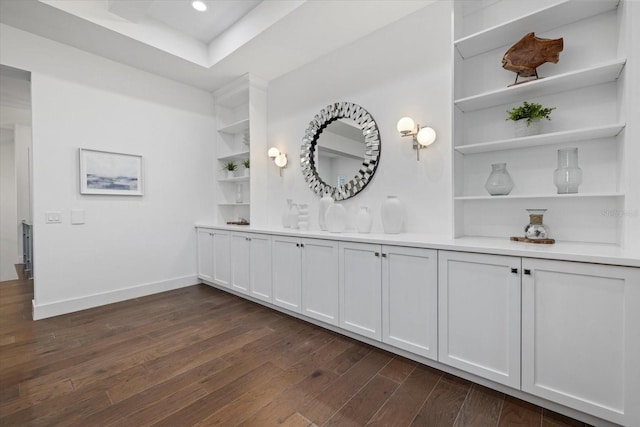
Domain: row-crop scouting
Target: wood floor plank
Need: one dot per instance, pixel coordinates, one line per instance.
(155, 395)
(331, 399)
(553, 419)
(350, 357)
(297, 420)
(219, 397)
(516, 412)
(481, 408)
(313, 380)
(403, 405)
(64, 409)
(398, 369)
(361, 407)
(248, 403)
(444, 403)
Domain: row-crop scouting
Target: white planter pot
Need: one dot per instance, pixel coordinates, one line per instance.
(521, 129)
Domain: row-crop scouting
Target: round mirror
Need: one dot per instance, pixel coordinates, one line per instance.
(340, 150)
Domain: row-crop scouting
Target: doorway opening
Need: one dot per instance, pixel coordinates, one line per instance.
(16, 254)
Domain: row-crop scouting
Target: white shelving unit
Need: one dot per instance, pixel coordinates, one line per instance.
(598, 74)
(584, 134)
(587, 87)
(240, 114)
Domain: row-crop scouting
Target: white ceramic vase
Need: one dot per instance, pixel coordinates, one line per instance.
(230, 174)
(285, 214)
(239, 193)
(392, 215)
(325, 202)
(364, 220)
(293, 216)
(303, 217)
(336, 218)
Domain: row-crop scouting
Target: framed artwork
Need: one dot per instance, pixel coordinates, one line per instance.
(103, 172)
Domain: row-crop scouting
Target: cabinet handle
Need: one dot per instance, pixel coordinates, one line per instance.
(302, 245)
(384, 255)
(527, 272)
(514, 270)
(377, 253)
(297, 245)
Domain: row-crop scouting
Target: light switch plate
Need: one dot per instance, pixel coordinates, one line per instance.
(77, 216)
(52, 217)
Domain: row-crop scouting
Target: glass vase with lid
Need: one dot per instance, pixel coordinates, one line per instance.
(536, 230)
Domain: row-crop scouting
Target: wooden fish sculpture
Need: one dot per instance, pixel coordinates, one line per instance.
(529, 53)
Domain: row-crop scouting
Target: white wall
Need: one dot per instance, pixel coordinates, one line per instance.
(401, 70)
(8, 207)
(129, 246)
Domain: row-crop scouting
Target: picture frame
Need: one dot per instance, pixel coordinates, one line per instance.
(109, 173)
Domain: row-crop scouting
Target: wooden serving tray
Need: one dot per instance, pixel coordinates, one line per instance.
(525, 240)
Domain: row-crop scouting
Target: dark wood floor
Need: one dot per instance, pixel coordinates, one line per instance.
(199, 356)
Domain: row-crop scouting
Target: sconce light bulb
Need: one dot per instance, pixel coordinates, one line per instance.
(200, 6)
(405, 125)
(426, 136)
(281, 160)
(273, 152)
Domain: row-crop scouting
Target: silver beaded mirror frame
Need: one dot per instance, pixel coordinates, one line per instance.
(331, 113)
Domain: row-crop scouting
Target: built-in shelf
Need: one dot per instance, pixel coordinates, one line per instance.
(241, 155)
(603, 73)
(233, 204)
(235, 128)
(235, 179)
(584, 134)
(541, 20)
(540, 196)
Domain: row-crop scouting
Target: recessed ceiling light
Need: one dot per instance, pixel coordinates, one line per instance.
(199, 6)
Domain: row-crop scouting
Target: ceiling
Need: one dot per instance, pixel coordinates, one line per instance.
(207, 49)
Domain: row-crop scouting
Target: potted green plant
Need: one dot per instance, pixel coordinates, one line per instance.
(528, 117)
(246, 163)
(230, 167)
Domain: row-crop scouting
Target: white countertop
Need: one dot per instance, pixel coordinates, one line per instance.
(567, 251)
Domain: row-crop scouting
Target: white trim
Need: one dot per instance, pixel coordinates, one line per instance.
(58, 308)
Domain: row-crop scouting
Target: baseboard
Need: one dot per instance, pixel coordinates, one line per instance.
(58, 308)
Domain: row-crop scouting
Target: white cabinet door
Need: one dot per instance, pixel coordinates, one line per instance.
(286, 272)
(479, 317)
(205, 254)
(410, 299)
(260, 266)
(221, 259)
(361, 289)
(240, 251)
(320, 288)
(581, 337)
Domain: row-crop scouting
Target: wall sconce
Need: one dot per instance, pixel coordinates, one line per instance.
(422, 137)
(280, 159)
